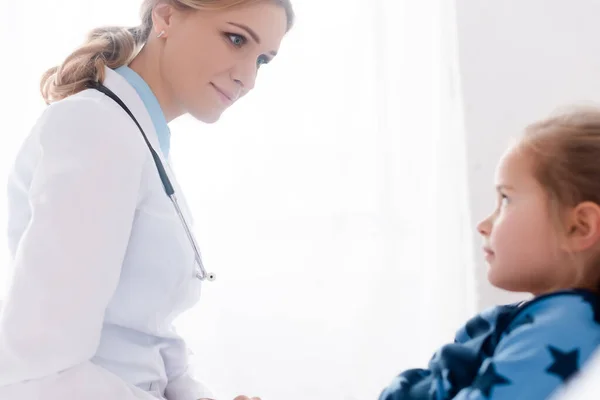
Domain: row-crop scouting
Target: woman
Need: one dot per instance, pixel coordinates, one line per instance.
(102, 261)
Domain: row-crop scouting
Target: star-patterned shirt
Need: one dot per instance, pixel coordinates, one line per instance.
(512, 352)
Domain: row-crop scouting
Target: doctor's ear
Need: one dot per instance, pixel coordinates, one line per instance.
(162, 19)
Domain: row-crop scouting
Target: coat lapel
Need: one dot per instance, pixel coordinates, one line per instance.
(130, 97)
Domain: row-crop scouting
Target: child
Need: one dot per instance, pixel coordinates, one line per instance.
(542, 238)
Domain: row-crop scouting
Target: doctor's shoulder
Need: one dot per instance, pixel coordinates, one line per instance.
(89, 119)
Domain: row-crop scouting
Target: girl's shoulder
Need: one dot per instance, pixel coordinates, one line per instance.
(575, 312)
(568, 312)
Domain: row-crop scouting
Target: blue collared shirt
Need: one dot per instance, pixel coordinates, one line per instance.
(152, 105)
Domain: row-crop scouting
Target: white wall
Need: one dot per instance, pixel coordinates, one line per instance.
(520, 60)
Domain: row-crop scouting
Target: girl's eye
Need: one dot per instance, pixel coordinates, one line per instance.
(236, 40)
(503, 199)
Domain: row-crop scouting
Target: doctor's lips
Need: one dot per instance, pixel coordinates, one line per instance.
(227, 97)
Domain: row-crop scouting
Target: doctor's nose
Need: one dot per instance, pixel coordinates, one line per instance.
(245, 77)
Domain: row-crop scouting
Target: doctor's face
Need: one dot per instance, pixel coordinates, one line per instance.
(211, 58)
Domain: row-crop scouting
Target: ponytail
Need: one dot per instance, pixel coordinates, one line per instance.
(112, 47)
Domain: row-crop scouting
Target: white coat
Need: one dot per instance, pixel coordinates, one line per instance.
(102, 264)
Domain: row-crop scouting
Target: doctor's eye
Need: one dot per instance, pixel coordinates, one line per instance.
(262, 60)
(236, 40)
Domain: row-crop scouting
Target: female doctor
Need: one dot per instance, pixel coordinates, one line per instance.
(103, 261)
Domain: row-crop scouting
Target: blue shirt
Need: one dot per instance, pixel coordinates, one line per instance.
(152, 105)
(520, 351)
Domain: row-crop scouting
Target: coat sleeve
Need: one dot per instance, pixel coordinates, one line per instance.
(83, 196)
(544, 350)
(182, 383)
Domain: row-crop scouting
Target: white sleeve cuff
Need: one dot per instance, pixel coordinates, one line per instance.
(187, 388)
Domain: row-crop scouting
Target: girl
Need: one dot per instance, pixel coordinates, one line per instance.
(542, 238)
(103, 262)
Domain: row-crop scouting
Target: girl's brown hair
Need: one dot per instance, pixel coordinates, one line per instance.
(566, 155)
(117, 46)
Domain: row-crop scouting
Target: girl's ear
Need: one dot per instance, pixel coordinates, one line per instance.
(583, 226)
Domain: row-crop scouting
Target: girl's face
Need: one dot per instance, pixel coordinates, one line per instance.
(521, 241)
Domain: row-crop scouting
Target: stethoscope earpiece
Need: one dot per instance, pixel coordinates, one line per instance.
(211, 277)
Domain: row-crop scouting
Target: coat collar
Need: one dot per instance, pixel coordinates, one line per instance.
(127, 93)
(152, 105)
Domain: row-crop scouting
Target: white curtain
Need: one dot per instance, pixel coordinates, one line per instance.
(331, 202)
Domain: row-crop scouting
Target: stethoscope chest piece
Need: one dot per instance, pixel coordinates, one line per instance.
(211, 277)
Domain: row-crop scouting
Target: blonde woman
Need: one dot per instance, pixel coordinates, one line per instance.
(103, 257)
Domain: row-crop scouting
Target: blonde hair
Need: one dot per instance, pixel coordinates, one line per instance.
(117, 46)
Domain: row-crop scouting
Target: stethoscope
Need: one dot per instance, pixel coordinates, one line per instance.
(201, 272)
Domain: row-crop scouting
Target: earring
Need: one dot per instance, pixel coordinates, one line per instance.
(161, 34)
